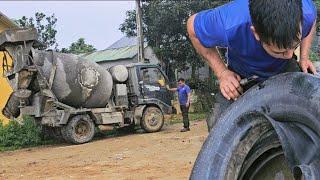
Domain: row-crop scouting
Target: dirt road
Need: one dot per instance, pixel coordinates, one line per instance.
(168, 154)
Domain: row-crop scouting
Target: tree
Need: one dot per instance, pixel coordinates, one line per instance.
(164, 27)
(79, 47)
(315, 52)
(45, 26)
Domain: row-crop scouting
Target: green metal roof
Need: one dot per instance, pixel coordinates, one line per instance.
(113, 54)
(124, 48)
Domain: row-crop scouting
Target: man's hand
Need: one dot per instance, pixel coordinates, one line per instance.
(230, 85)
(187, 104)
(306, 65)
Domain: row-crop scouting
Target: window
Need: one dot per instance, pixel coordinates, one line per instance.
(152, 76)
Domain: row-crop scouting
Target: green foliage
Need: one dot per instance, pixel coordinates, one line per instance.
(79, 47)
(317, 2)
(45, 25)
(314, 56)
(164, 26)
(203, 90)
(197, 116)
(315, 50)
(15, 135)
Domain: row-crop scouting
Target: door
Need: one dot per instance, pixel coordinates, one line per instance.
(154, 84)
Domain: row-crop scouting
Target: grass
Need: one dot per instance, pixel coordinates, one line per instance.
(192, 117)
(22, 134)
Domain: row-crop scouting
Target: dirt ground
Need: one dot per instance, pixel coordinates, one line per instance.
(168, 154)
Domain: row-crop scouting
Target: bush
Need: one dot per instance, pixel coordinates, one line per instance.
(203, 92)
(17, 135)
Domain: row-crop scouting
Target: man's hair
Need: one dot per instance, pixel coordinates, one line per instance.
(181, 79)
(277, 21)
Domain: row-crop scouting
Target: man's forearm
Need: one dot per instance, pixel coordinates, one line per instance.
(306, 44)
(171, 89)
(189, 97)
(211, 55)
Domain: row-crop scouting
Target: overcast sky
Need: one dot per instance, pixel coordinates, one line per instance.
(96, 21)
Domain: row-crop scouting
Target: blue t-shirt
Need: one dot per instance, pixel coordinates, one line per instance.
(229, 26)
(183, 94)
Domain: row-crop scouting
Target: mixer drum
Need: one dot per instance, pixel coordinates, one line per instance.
(77, 82)
(119, 73)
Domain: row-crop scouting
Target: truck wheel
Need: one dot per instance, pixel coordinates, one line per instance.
(267, 133)
(80, 129)
(152, 119)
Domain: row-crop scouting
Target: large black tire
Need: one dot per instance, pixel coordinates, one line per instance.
(218, 107)
(244, 136)
(79, 130)
(152, 119)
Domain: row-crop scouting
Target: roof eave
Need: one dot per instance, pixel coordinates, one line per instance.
(8, 22)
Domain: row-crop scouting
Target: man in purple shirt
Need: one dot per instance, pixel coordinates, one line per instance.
(184, 93)
(261, 37)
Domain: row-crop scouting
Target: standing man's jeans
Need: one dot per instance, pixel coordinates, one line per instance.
(184, 110)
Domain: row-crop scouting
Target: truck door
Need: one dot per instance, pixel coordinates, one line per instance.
(154, 84)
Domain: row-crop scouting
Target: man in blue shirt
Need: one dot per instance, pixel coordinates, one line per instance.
(261, 37)
(184, 93)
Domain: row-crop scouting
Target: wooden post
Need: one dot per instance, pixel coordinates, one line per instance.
(139, 32)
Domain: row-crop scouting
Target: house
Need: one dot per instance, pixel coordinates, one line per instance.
(124, 51)
(201, 73)
(5, 23)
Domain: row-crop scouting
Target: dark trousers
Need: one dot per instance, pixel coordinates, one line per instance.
(184, 110)
(221, 103)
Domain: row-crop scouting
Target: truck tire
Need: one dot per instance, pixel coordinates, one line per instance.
(79, 130)
(275, 120)
(152, 119)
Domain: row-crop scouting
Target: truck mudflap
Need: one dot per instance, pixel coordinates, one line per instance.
(275, 122)
(138, 112)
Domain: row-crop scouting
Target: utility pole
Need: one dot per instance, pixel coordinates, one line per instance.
(139, 32)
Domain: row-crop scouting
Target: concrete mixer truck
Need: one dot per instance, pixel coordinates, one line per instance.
(70, 95)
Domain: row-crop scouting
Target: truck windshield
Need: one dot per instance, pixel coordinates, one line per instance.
(152, 76)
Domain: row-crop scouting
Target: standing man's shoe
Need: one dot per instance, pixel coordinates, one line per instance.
(185, 130)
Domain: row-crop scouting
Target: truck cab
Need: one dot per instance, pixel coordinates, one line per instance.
(147, 85)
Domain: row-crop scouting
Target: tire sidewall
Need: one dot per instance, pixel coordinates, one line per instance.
(145, 125)
(69, 133)
(286, 94)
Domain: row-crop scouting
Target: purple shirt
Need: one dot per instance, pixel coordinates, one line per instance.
(183, 92)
